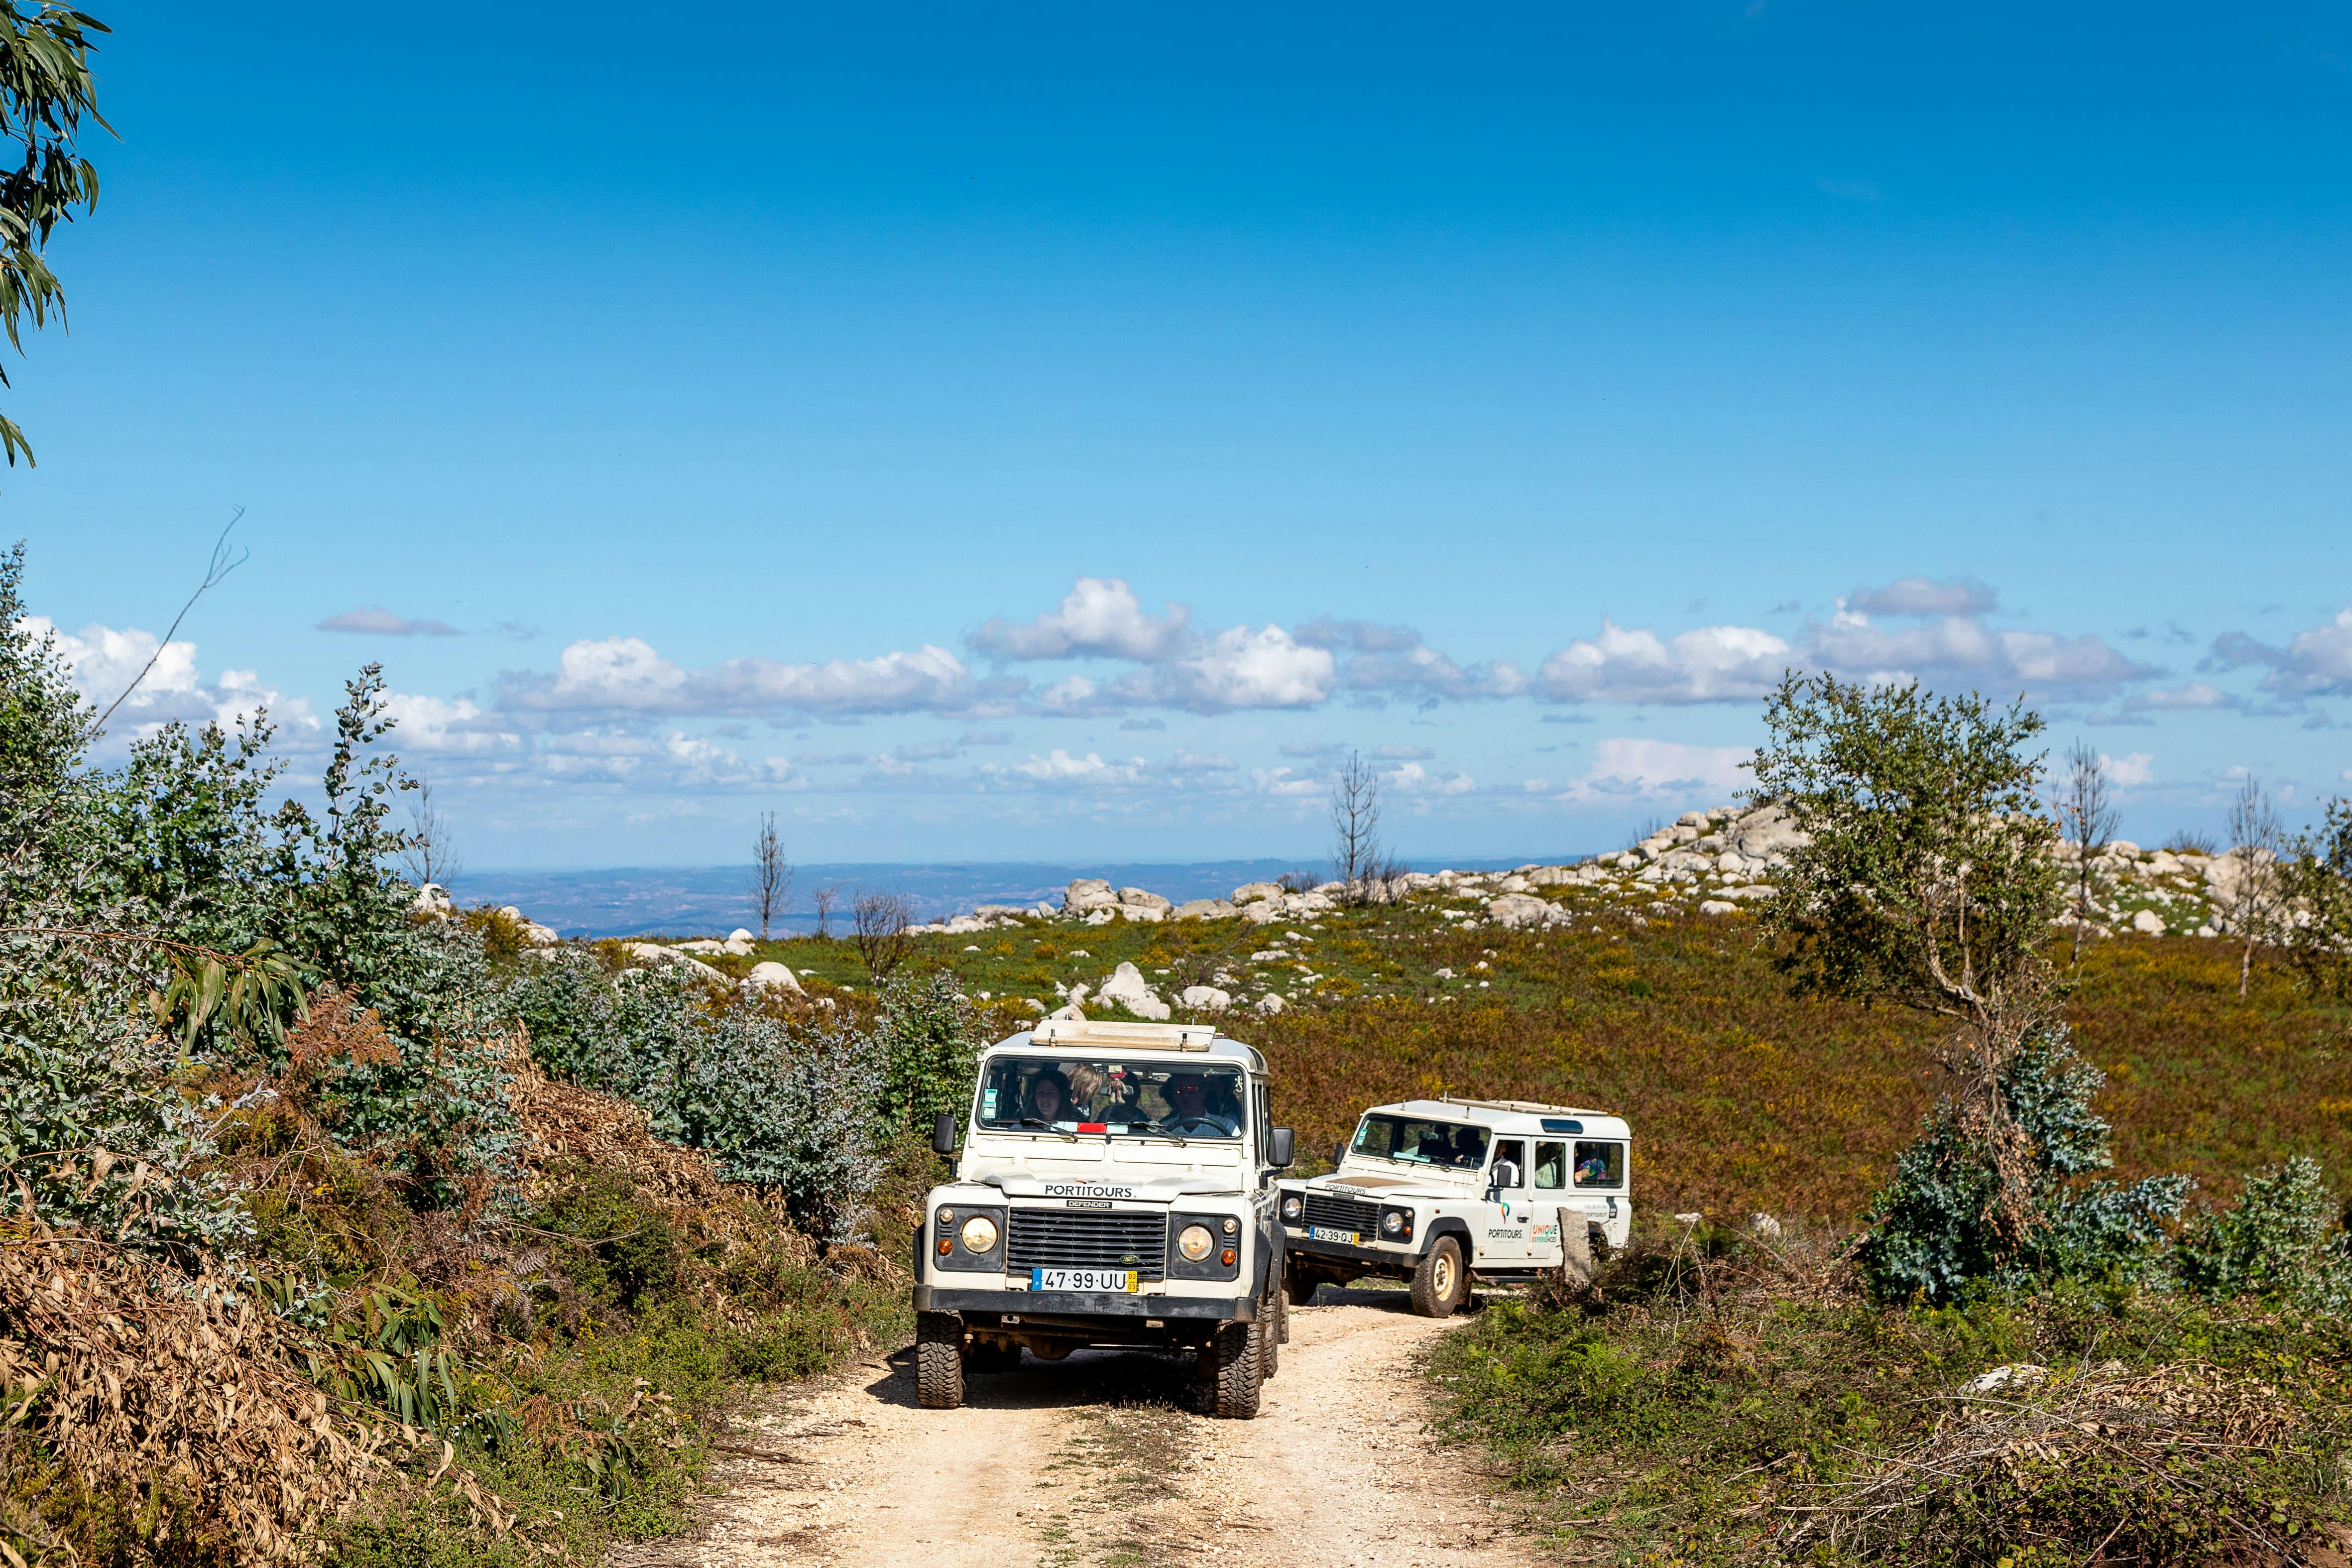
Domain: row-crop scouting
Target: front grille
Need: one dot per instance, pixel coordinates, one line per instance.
(1342, 1214)
(1087, 1239)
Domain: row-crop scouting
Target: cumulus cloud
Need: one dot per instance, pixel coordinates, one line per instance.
(2315, 663)
(1058, 767)
(1712, 664)
(1626, 769)
(2130, 772)
(1959, 651)
(1284, 782)
(1924, 596)
(1189, 762)
(1098, 618)
(1412, 778)
(2189, 698)
(1403, 753)
(625, 675)
(103, 661)
(430, 725)
(380, 622)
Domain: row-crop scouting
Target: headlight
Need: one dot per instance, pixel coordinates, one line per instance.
(979, 1234)
(1292, 1211)
(1194, 1243)
(1392, 1223)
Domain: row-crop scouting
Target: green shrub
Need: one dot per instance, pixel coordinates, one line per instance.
(2281, 1241)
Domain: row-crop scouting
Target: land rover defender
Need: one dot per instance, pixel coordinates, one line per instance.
(1114, 1186)
(1438, 1192)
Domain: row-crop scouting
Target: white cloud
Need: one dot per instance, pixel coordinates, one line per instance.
(1712, 664)
(2315, 663)
(1924, 596)
(2129, 773)
(2194, 695)
(1058, 767)
(102, 662)
(1186, 762)
(429, 725)
(1414, 779)
(1959, 651)
(1635, 769)
(625, 675)
(380, 622)
(1099, 619)
(1241, 667)
(1403, 753)
(1284, 781)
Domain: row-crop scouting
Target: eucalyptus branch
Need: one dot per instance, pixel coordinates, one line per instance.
(223, 562)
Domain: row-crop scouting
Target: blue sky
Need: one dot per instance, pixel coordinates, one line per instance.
(1051, 432)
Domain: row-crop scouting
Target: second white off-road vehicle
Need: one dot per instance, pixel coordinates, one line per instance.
(1438, 1192)
(1115, 1187)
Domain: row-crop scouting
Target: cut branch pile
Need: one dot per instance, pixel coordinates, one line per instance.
(2167, 1467)
(178, 1405)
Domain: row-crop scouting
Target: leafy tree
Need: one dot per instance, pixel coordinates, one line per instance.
(1927, 881)
(2280, 1241)
(47, 90)
(2319, 885)
(931, 1048)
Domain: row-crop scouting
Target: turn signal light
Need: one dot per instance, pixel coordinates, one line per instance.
(945, 1247)
(1226, 1257)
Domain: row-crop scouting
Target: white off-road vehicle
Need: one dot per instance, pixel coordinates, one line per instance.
(1115, 1187)
(1437, 1192)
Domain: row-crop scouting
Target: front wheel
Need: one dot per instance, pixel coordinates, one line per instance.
(1441, 1284)
(1229, 1373)
(939, 1360)
(1273, 1328)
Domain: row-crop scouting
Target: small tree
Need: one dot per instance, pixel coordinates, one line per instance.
(1355, 828)
(430, 855)
(878, 923)
(2254, 898)
(1926, 882)
(822, 901)
(930, 1045)
(2087, 813)
(2319, 886)
(772, 874)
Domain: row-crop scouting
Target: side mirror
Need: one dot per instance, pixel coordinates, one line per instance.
(1339, 1153)
(1279, 1155)
(1504, 1175)
(943, 1134)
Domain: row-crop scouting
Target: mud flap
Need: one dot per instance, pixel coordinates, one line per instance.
(1575, 1248)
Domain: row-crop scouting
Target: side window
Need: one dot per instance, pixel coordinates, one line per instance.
(1600, 1164)
(1551, 1165)
(1516, 1153)
(1263, 1102)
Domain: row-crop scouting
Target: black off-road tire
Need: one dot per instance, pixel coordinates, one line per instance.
(1441, 1284)
(1281, 1318)
(1268, 1324)
(939, 1360)
(1297, 1284)
(1228, 1373)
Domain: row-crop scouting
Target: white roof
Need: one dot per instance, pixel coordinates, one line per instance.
(1516, 1116)
(1089, 1036)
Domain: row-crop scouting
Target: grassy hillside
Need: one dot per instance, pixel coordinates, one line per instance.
(1741, 1097)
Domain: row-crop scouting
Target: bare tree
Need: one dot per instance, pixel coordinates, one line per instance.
(224, 561)
(772, 874)
(2254, 899)
(878, 923)
(822, 901)
(1355, 828)
(2086, 814)
(431, 854)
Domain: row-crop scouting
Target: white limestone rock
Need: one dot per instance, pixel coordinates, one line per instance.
(1251, 893)
(1127, 987)
(1271, 1003)
(1520, 911)
(1206, 998)
(2148, 923)
(1203, 910)
(773, 976)
(1085, 894)
(1717, 907)
(433, 899)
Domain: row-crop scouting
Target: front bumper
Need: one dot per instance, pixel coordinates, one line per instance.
(1084, 1304)
(1296, 1240)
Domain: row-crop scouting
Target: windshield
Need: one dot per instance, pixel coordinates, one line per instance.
(1118, 1098)
(1419, 1142)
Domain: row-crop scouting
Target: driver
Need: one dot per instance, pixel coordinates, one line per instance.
(1188, 1096)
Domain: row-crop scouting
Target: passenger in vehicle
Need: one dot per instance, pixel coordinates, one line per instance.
(1187, 1094)
(1049, 1098)
(1596, 1165)
(1469, 1149)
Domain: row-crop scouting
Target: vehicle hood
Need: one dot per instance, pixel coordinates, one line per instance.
(1371, 1186)
(1139, 1187)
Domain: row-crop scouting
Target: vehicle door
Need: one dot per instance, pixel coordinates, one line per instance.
(1597, 1171)
(1548, 1191)
(1509, 1212)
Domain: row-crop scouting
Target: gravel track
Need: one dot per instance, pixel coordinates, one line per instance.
(1093, 1462)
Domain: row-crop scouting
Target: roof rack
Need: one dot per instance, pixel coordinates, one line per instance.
(1134, 1036)
(1524, 1107)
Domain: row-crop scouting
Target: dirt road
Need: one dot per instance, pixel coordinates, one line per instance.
(1095, 1461)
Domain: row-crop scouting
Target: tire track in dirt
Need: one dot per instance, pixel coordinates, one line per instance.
(1095, 1462)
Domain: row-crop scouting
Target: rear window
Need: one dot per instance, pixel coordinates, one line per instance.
(1599, 1165)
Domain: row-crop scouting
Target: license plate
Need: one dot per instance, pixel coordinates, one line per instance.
(1118, 1281)
(1324, 1233)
